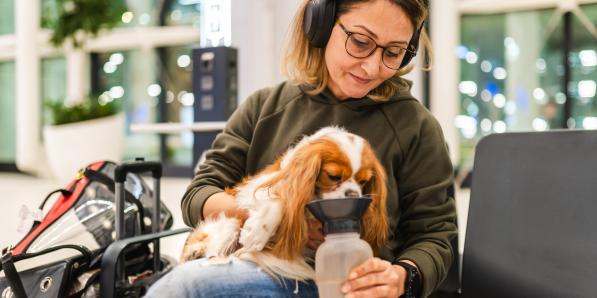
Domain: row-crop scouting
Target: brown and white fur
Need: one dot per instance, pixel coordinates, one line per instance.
(331, 163)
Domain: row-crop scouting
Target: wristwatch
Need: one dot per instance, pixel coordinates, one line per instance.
(412, 284)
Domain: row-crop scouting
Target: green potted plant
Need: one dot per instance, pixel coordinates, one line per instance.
(93, 129)
(78, 19)
(79, 134)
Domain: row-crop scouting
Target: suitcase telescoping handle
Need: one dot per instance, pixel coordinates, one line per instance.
(138, 166)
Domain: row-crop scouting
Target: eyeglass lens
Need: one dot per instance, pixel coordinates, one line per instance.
(361, 46)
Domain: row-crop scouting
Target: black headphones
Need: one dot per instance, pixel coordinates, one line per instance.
(320, 17)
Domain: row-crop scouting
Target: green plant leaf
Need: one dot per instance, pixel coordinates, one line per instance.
(89, 109)
(89, 16)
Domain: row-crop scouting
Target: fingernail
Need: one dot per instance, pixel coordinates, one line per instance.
(345, 288)
(352, 275)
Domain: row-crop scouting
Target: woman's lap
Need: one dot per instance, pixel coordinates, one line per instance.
(237, 278)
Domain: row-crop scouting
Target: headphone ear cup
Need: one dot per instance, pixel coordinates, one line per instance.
(319, 19)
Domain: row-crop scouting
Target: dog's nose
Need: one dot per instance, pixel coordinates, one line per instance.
(351, 193)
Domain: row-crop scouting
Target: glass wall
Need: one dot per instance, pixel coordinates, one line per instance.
(583, 62)
(7, 89)
(53, 89)
(512, 75)
(154, 84)
(7, 21)
(182, 12)
(177, 101)
(140, 13)
(143, 13)
(53, 82)
(130, 77)
(7, 113)
(158, 91)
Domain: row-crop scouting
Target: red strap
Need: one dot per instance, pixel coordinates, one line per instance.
(61, 206)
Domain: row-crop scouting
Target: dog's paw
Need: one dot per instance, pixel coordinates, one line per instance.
(255, 234)
(261, 225)
(195, 247)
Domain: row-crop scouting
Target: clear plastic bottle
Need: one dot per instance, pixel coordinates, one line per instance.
(335, 258)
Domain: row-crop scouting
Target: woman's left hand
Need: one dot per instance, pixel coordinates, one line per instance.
(375, 278)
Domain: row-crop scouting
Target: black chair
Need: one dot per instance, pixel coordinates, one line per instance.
(532, 223)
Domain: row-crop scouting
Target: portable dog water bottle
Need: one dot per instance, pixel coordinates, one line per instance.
(343, 249)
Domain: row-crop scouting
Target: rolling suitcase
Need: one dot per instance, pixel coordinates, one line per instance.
(114, 278)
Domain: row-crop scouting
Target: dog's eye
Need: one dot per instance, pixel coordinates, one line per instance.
(335, 178)
(362, 182)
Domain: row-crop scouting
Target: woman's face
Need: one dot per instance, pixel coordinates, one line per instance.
(387, 24)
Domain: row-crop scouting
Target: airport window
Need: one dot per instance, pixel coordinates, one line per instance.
(159, 91)
(7, 24)
(7, 115)
(513, 74)
(583, 66)
(7, 92)
(182, 12)
(128, 76)
(177, 102)
(53, 88)
(53, 82)
(151, 75)
(140, 13)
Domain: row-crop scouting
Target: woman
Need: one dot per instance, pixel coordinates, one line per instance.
(352, 81)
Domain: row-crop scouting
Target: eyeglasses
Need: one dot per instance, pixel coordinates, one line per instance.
(362, 46)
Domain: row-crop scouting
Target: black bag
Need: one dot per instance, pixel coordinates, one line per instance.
(50, 280)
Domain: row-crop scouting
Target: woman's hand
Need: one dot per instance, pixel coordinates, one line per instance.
(375, 278)
(223, 202)
(314, 232)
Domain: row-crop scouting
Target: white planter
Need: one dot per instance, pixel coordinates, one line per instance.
(70, 147)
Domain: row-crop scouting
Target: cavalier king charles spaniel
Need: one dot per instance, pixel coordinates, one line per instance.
(332, 163)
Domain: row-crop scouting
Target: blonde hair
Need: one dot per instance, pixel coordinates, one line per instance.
(305, 64)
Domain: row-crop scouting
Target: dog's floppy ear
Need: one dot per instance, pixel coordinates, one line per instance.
(295, 186)
(374, 227)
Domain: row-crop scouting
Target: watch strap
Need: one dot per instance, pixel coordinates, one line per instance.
(412, 284)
